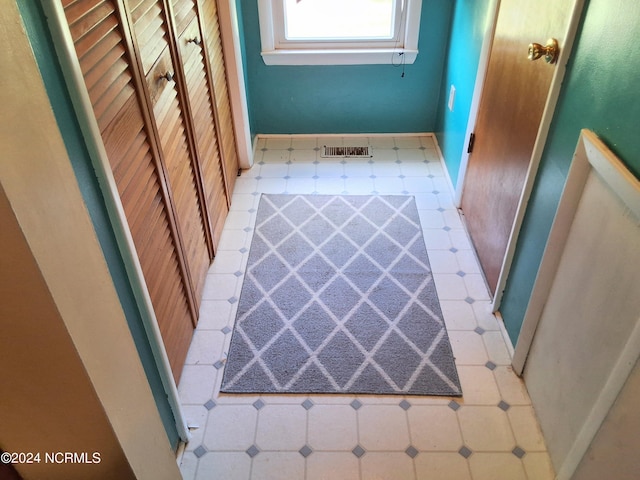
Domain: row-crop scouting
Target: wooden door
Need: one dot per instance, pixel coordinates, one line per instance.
(511, 108)
(178, 154)
(204, 120)
(208, 14)
(147, 68)
(104, 51)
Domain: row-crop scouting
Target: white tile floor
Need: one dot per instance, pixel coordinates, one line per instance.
(490, 433)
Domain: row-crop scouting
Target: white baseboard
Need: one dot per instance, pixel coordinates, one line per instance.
(505, 335)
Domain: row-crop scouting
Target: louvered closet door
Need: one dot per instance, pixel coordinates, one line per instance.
(204, 121)
(102, 49)
(213, 45)
(152, 32)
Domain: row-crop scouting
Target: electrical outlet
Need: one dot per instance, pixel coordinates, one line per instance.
(452, 97)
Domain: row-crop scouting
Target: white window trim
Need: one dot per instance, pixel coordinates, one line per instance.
(362, 53)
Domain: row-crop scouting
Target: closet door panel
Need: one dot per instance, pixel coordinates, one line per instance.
(213, 43)
(150, 29)
(169, 139)
(184, 13)
(86, 15)
(152, 39)
(139, 188)
(104, 59)
(204, 126)
(182, 179)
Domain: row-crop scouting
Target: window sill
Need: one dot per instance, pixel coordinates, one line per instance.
(377, 56)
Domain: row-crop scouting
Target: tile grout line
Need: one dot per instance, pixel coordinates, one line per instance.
(307, 441)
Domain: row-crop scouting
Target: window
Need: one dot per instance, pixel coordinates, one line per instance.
(339, 32)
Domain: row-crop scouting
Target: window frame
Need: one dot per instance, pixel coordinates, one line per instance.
(275, 51)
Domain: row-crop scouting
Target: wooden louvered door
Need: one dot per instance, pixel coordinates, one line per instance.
(104, 50)
(170, 120)
(155, 74)
(203, 113)
(208, 14)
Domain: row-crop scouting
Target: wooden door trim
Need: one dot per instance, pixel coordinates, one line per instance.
(538, 149)
(79, 94)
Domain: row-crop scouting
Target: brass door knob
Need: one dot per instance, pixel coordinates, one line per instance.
(550, 51)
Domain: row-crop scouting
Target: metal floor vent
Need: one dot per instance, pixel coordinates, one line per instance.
(346, 152)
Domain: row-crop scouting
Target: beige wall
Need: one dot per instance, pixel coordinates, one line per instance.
(613, 453)
(47, 402)
(71, 379)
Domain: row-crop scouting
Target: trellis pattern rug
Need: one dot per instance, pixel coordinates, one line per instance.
(338, 297)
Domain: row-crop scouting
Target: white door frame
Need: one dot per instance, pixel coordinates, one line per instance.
(229, 31)
(540, 142)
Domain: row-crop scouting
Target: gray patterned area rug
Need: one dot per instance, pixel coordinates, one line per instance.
(338, 297)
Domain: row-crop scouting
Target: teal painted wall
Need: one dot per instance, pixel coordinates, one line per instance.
(35, 23)
(469, 25)
(350, 98)
(600, 93)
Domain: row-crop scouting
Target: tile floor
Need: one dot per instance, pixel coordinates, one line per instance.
(491, 433)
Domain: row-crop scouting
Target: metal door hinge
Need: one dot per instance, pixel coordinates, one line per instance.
(472, 139)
